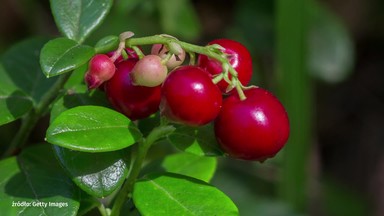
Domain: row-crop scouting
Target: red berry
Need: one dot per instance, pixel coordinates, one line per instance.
(238, 56)
(252, 129)
(149, 71)
(190, 97)
(136, 102)
(100, 69)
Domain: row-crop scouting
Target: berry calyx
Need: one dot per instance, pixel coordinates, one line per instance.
(237, 55)
(131, 54)
(101, 68)
(252, 129)
(149, 71)
(174, 60)
(136, 102)
(190, 97)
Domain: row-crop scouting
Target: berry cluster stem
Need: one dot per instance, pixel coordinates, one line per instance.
(209, 51)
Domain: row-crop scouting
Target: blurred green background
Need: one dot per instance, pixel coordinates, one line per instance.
(324, 59)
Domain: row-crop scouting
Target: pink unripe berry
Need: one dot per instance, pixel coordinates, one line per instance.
(149, 71)
(101, 68)
(162, 51)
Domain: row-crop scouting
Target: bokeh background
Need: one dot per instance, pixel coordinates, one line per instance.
(324, 59)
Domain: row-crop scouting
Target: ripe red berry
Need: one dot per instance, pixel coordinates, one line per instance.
(100, 69)
(136, 102)
(149, 71)
(238, 56)
(190, 97)
(252, 129)
(162, 51)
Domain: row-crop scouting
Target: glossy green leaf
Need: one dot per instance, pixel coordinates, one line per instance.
(107, 44)
(35, 178)
(98, 174)
(13, 102)
(173, 194)
(62, 55)
(78, 19)
(21, 63)
(179, 18)
(92, 129)
(197, 140)
(77, 96)
(191, 165)
(331, 52)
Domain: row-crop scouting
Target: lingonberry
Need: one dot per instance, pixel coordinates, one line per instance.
(149, 71)
(136, 102)
(162, 51)
(238, 56)
(252, 129)
(101, 68)
(190, 97)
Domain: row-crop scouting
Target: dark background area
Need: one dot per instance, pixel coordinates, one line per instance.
(346, 163)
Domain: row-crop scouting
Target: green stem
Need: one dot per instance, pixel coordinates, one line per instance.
(190, 48)
(158, 39)
(31, 118)
(102, 210)
(143, 147)
(296, 94)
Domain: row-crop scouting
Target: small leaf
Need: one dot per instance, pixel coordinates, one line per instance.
(35, 178)
(98, 174)
(191, 165)
(62, 55)
(197, 140)
(77, 96)
(13, 102)
(173, 194)
(331, 52)
(107, 44)
(92, 129)
(78, 19)
(21, 63)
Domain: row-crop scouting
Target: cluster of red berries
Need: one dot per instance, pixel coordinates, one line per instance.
(252, 128)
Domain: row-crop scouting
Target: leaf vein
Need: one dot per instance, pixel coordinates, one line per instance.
(171, 196)
(60, 130)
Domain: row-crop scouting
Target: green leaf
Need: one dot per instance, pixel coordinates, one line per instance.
(107, 44)
(35, 178)
(331, 52)
(21, 63)
(62, 55)
(173, 194)
(178, 18)
(191, 165)
(78, 19)
(197, 140)
(13, 102)
(92, 129)
(77, 96)
(98, 174)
